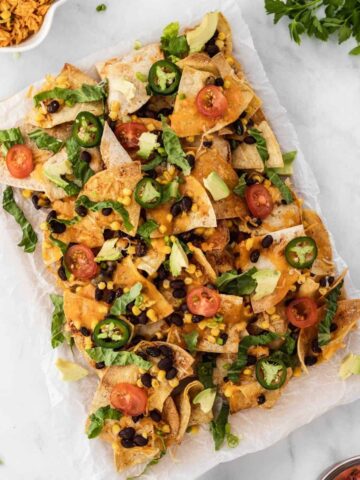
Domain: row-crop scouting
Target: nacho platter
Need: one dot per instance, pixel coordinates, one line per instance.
(220, 244)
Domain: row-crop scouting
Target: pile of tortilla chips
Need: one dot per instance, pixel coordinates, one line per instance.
(192, 279)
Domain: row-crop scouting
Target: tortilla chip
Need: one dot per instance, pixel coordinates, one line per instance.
(282, 217)
(154, 257)
(232, 206)
(200, 258)
(126, 275)
(246, 156)
(245, 395)
(73, 78)
(171, 417)
(186, 119)
(128, 68)
(204, 216)
(198, 61)
(112, 152)
(224, 27)
(315, 229)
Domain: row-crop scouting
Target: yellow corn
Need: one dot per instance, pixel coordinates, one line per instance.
(188, 281)
(169, 217)
(221, 36)
(220, 44)
(202, 325)
(110, 285)
(115, 106)
(126, 201)
(159, 335)
(293, 288)
(115, 429)
(115, 226)
(136, 310)
(194, 429)
(127, 192)
(275, 317)
(101, 286)
(102, 309)
(227, 84)
(166, 284)
(215, 332)
(150, 127)
(43, 226)
(142, 370)
(199, 230)
(126, 289)
(211, 339)
(265, 324)
(227, 392)
(198, 273)
(191, 268)
(93, 324)
(190, 139)
(247, 371)
(113, 115)
(187, 318)
(151, 314)
(134, 118)
(297, 372)
(230, 60)
(249, 244)
(322, 290)
(165, 249)
(162, 228)
(88, 343)
(271, 310)
(155, 383)
(166, 428)
(222, 326)
(174, 382)
(139, 383)
(161, 375)
(26, 193)
(267, 183)
(171, 169)
(77, 324)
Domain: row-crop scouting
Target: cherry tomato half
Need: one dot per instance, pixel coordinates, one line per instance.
(129, 399)
(302, 312)
(211, 101)
(259, 200)
(79, 259)
(203, 301)
(19, 161)
(128, 134)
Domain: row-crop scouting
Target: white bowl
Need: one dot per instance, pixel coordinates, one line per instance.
(39, 36)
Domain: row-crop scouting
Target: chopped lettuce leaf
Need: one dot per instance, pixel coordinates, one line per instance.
(9, 138)
(205, 372)
(260, 144)
(324, 335)
(98, 206)
(280, 185)
(98, 419)
(237, 284)
(120, 304)
(191, 340)
(218, 426)
(44, 141)
(81, 169)
(349, 366)
(58, 335)
(123, 358)
(173, 45)
(173, 148)
(288, 159)
(146, 229)
(109, 251)
(84, 94)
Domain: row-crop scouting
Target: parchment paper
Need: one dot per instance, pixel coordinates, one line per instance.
(304, 399)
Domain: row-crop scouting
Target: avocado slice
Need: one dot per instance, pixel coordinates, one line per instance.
(178, 258)
(200, 35)
(147, 144)
(56, 167)
(267, 280)
(216, 186)
(108, 251)
(205, 399)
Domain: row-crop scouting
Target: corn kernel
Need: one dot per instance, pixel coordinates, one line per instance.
(136, 310)
(271, 310)
(323, 291)
(297, 372)
(110, 285)
(139, 383)
(26, 193)
(88, 343)
(199, 231)
(155, 383)
(249, 244)
(220, 44)
(188, 281)
(171, 169)
(194, 429)
(166, 284)
(215, 332)
(227, 392)
(230, 60)
(71, 278)
(265, 324)
(126, 201)
(198, 273)
(78, 289)
(150, 127)
(166, 428)
(190, 139)
(154, 370)
(174, 382)
(102, 309)
(275, 317)
(169, 217)
(202, 325)
(187, 318)
(165, 249)
(159, 335)
(191, 268)
(115, 226)
(101, 286)
(227, 84)
(126, 289)
(267, 183)
(115, 106)
(221, 36)
(211, 339)
(43, 226)
(142, 370)
(134, 118)
(115, 429)
(293, 288)
(77, 324)
(222, 326)
(127, 192)
(113, 115)
(151, 314)
(161, 375)
(162, 228)
(247, 371)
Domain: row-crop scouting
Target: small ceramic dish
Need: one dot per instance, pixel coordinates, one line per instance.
(340, 468)
(39, 36)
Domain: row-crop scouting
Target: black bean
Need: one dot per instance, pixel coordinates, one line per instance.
(250, 181)
(141, 249)
(267, 241)
(51, 216)
(137, 418)
(243, 115)
(177, 283)
(331, 280)
(133, 319)
(57, 227)
(142, 355)
(166, 351)
(184, 308)
(127, 443)
(191, 159)
(170, 374)
(118, 292)
(176, 209)
(53, 106)
(333, 327)
(85, 156)
(153, 351)
(224, 337)
(212, 49)
(165, 363)
(179, 293)
(85, 331)
(106, 211)
(186, 203)
(129, 306)
(197, 318)
(175, 319)
(100, 365)
(62, 273)
(162, 273)
(249, 140)
(137, 339)
(108, 233)
(140, 441)
(310, 360)
(207, 143)
(261, 399)
(251, 360)
(315, 346)
(250, 123)
(238, 127)
(254, 256)
(35, 201)
(146, 379)
(283, 201)
(109, 296)
(155, 415)
(219, 82)
(226, 379)
(323, 282)
(81, 210)
(142, 318)
(127, 433)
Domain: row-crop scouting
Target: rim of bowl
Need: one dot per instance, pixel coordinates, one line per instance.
(340, 467)
(40, 35)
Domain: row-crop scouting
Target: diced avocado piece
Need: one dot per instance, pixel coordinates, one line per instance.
(57, 166)
(288, 168)
(350, 366)
(216, 186)
(205, 399)
(147, 144)
(200, 35)
(178, 258)
(267, 280)
(109, 251)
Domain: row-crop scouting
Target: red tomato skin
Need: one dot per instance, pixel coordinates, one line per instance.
(259, 201)
(128, 134)
(203, 301)
(80, 260)
(19, 161)
(211, 102)
(129, 399)
(310, 311)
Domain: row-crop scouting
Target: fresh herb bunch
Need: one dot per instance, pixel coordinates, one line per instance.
(319, 18)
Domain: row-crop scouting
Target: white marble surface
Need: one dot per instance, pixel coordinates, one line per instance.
(319, 86)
